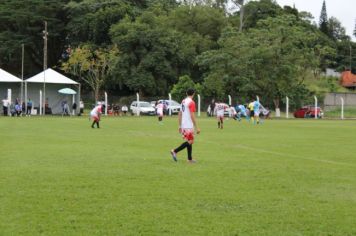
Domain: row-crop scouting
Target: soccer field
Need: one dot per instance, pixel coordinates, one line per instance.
(58, 176)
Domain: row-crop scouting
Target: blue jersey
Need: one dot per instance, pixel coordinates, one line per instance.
(256, 106)
(242, 108)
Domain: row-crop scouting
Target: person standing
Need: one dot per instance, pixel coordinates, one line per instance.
(81, 107)
(220, 111)
(74, 108)
(29, 107)
(124, 109)
(5, 106)
(256, 111)
(212, 107)
(250, 108)
(187, 126)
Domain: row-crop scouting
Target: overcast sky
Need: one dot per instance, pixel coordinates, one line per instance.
(343, 10)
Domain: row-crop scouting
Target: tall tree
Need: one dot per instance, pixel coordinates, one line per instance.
(323, 20)
(153, 54)
(336, 30)
(22, 22)
(355, 29)
(265, 61)
(90, 20)
(241, 5)
(93, 66)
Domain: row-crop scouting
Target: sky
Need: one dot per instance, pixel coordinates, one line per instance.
(343, 10)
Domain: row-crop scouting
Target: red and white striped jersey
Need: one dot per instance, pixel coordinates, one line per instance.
(220, 108)
(97, 110)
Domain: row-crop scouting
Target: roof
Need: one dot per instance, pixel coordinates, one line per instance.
(50, 76)
(348, 79)
(7, 77)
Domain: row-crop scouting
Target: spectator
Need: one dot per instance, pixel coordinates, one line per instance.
(5, 106)
(18, 109)
(212, 107)
(116, 110)
(12, 110)
(81, 107)
(74, 108)
(23, 106)
(124, 109)
(29, 107)
(65, 108)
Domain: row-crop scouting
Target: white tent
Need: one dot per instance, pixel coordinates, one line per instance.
(54, 81)
(9, 81)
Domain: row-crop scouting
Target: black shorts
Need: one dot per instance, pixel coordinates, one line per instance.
(252, 113)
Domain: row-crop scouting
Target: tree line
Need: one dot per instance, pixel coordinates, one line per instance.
(159, 46)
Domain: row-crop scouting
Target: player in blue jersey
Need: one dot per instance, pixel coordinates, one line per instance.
(256, 111)
(241, 112)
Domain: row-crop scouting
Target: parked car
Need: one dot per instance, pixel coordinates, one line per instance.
(144, 108)
(153, 104)
(308, 112)
(172, 105)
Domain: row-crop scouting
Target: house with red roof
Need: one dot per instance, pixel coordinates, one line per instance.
(348, 80)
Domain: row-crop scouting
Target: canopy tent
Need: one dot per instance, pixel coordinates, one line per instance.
(54, 81)
(9, 81)
(7, 77)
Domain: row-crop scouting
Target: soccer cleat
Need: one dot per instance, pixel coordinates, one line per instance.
(174, 155)
(192, 161)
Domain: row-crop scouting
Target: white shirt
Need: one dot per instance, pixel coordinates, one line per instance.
(96, 111)
(160, 108)
(187, 107)
(5, 102)
(220, 108)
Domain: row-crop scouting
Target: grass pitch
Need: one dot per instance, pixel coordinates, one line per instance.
(284, 177)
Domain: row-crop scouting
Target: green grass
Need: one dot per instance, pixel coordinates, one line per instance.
(284, 177)
(349, 112)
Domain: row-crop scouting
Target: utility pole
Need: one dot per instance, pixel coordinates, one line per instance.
(350, 57)
(45, 37)
(22, 66)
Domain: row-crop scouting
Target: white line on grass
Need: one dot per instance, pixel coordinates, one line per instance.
(252, 149)
(284, 154)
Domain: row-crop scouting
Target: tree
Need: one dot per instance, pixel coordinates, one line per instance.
(265, 61)
(323, 20)
(90, 20)
(184, 83)
(153, 54)
(241, 5)
(355, 29)
(253, 11)
(336, 30)
(22, 22)
(93, 66)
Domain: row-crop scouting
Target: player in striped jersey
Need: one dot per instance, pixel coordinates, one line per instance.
(160, 108)
(95, 114)
(187, 126)
(220, 110)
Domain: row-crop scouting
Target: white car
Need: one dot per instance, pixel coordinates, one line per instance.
(143, 108)
(172, 105)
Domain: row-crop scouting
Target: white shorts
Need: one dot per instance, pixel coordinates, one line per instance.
(256, 113)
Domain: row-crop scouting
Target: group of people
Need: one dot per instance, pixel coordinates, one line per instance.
(66, 110)
(186, 117)
(116, 110)
(17, 109)
(252, 112)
